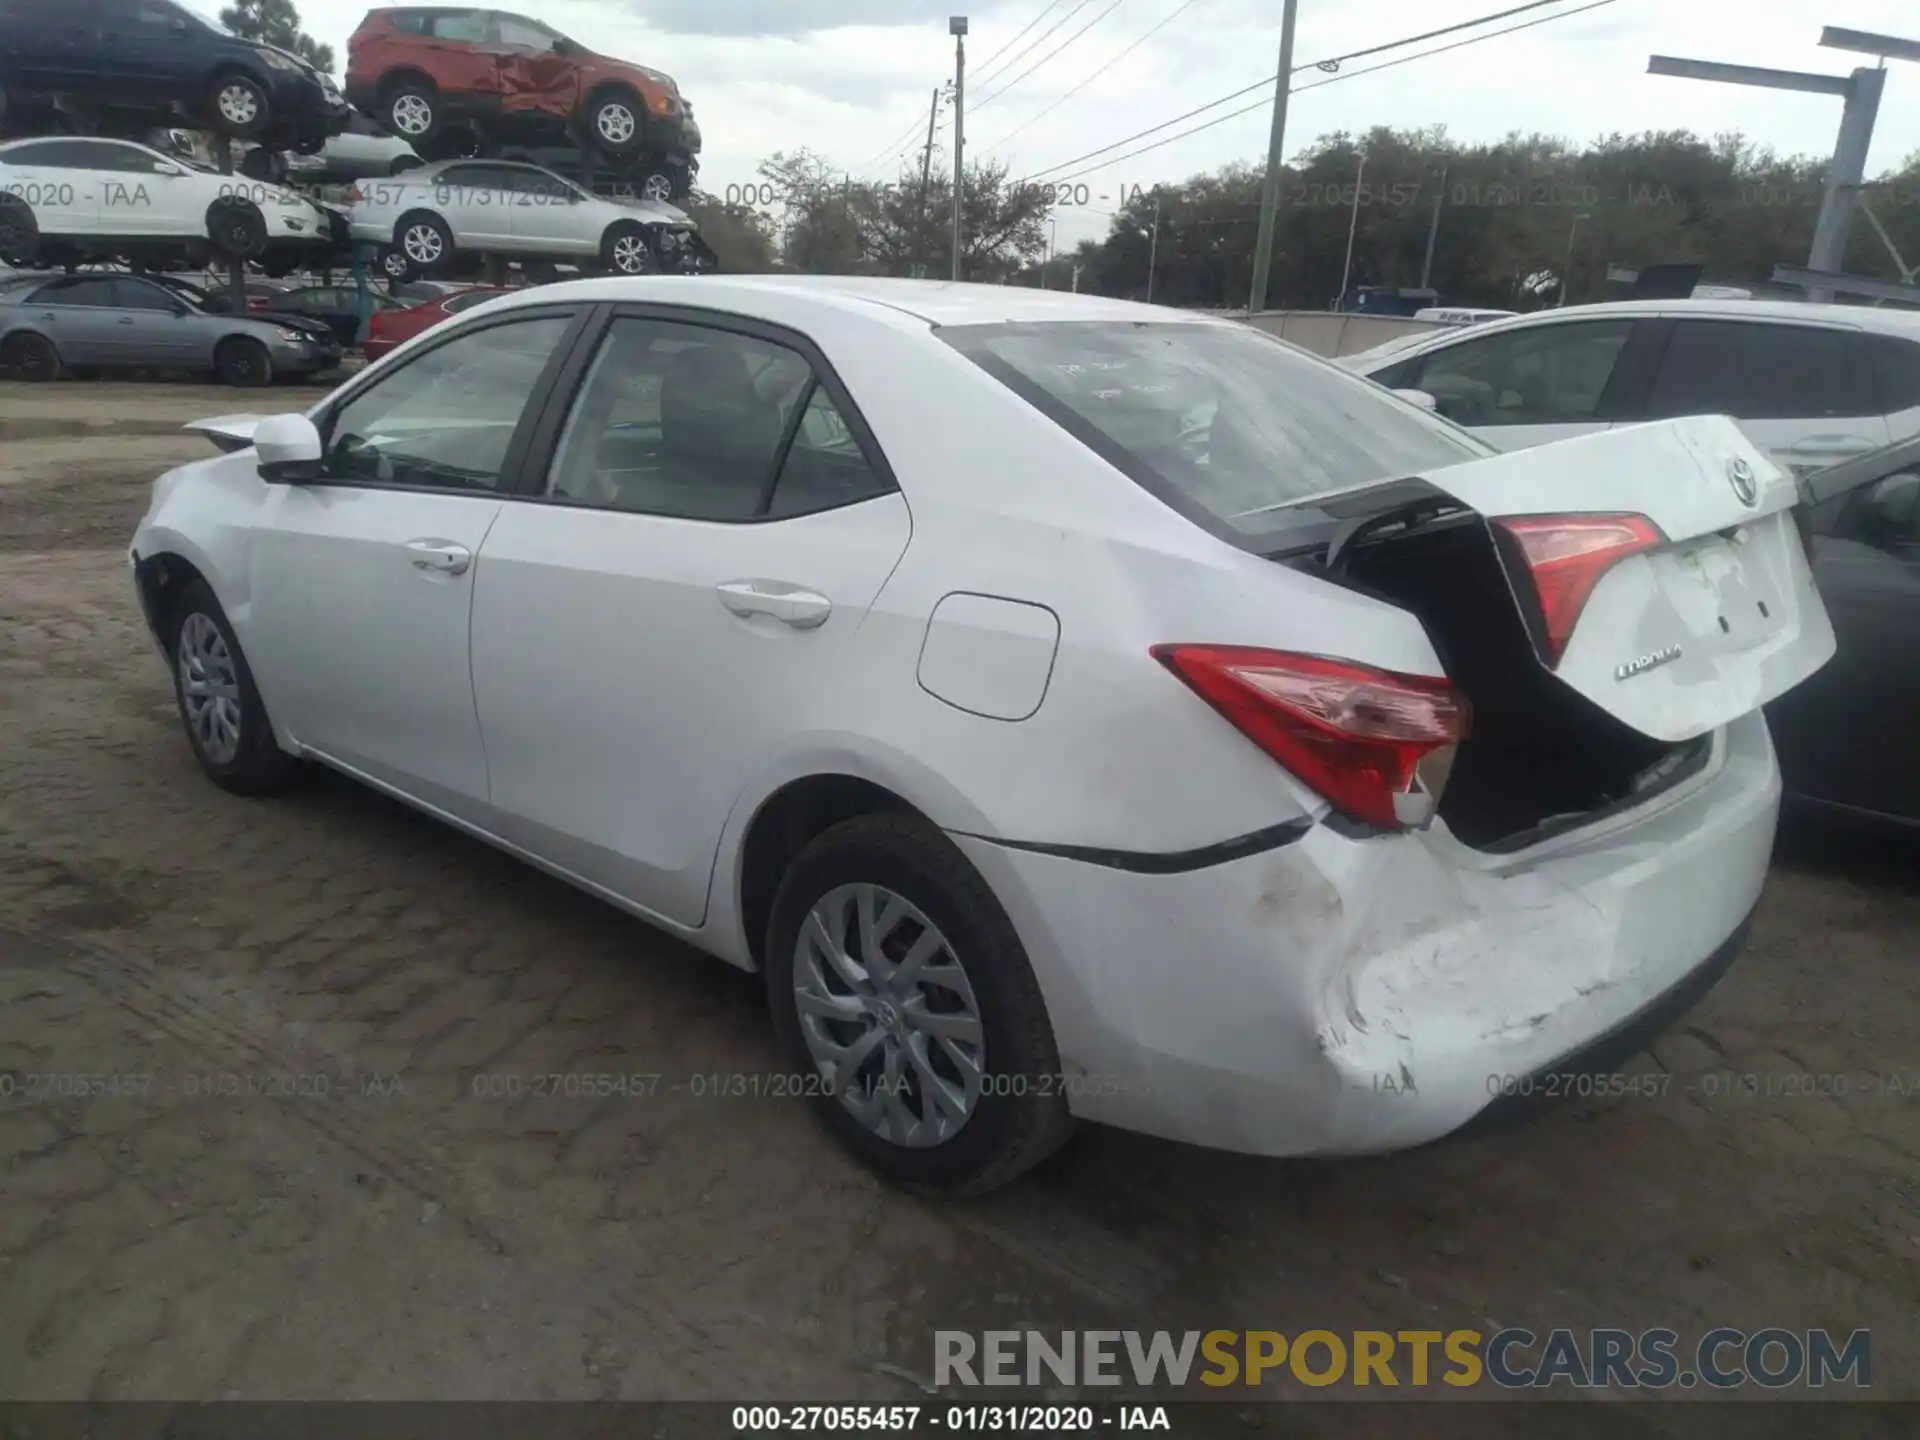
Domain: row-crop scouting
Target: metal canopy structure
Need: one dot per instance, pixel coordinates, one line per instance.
(1860, 91)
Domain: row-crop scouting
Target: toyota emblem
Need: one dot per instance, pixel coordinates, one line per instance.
(1745, 483)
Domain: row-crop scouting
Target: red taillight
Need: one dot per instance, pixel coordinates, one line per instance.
(1566, 555)
(1354, 733)
(356, 195)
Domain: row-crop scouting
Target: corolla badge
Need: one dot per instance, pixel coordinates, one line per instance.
(1745, 483)
(1644, 663)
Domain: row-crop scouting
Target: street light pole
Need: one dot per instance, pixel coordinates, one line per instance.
(1353, 225)
(1053, 225)
(1433, 232)
(1153, 248)
(1567, 267)
(1276, 141)
(957, 27)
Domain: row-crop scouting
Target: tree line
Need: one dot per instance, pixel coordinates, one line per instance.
(1491, 224)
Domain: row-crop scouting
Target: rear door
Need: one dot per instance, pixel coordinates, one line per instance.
(82, 315)
(1708, 611)
(1804, 393)
(54, 178)
(680, 598)
(1525, 386)
(362, 583)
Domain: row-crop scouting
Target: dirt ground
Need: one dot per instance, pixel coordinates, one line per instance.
(418, 1239)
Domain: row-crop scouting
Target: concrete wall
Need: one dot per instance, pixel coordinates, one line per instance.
(1326, 332)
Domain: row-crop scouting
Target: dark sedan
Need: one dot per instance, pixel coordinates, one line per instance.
(1847, 736)
(335, 306)
(126, 322)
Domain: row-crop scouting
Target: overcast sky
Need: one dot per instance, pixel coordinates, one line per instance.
(847, 77)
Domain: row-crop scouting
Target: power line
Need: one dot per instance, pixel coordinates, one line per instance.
(1330, 64)
(1115, 60)
(988, 73)
(1051, 5)
(1051, 53)
(1334, 80)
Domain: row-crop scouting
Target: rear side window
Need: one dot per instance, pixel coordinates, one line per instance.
(1896, 370)
(1756, 371)
(85, 291)
(1218, 419)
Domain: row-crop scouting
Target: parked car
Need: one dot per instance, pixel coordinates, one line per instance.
(1811, 384)
(156, 62)
(1847, 737)
(117, 322)
(872, 635)
(418, 70)
(214, 295)
(360, 152)
(71, 199)
(427, 216)
(393, 327)
(338, 307)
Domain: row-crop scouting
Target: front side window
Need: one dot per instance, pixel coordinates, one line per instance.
(466, 26)
(446, 419)
(1755, 371)
(1216, 417)
(687, 421)
(1542, 375)
(134, 294)
(524, 34)
(1896, 367)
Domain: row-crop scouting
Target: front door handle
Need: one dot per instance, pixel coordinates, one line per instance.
(126, 320)
(442, 556)
(790, 605)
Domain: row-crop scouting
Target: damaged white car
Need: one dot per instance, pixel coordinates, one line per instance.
(1073, 709)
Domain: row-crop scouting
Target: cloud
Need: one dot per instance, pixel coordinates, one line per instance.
(796, 17)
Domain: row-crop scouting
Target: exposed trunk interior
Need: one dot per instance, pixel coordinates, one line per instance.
(1541, 757)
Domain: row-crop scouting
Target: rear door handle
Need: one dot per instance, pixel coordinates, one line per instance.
(442, 556)
(790, 605)
(125, 320)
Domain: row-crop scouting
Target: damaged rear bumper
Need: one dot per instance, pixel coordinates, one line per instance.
(1342, 996)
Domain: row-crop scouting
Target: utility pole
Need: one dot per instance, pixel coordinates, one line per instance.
(1566, 269)
(1353, 227)
(926, 180)
(1053, 225)
(1433, 233)
(957, 27)
(1153, 247)
(1276, 142)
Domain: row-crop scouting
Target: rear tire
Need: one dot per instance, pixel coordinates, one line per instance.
(410, 108)
(236, 228)
(237, 106)
(626, 250)
(243, 363)
(426, 242)
(220, 706)
(19, 232)
(979, 1031)
(28, 355)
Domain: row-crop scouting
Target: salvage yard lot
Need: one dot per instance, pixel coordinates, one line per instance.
(400, 1225)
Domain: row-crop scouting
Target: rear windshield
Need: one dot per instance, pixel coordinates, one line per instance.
(1226, 424)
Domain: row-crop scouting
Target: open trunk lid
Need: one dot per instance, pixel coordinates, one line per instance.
(1658, 568)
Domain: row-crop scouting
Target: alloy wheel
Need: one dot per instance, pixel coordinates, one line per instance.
(422, 244)
(888, 1015)
(615, 123)
(411, 114)
(658, 187)
(238, 104)
(631, 255)
(209, 689)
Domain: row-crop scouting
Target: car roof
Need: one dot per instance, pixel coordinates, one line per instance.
(1784, 312)
(935, 302)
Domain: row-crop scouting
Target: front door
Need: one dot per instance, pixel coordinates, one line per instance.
(362, 583)
(664, 619)
(477, 201)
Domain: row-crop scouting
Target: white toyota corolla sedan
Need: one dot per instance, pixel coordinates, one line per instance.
(1072, 708)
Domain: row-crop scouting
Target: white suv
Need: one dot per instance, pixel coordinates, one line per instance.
(80, 198)
(500, 207)
(1812, 384)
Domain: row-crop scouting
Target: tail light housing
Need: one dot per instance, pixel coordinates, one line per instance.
(1375, 743)
(1563, 558)
(356, 195)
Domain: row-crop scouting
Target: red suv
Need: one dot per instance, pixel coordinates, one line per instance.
(425, 73)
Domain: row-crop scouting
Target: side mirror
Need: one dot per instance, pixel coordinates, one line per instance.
(288, 447)
(1420, 398)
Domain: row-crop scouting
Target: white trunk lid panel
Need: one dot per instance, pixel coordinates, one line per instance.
(1682, 639)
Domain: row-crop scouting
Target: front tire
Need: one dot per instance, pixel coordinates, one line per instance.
(243, 363)
(237, 106)
(28, 355)
(236, 228)
(220, 706)
(625, 250)
(895, 976)
(615, 123)
(411, 110)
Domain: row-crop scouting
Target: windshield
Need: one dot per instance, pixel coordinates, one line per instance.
(1218, 419)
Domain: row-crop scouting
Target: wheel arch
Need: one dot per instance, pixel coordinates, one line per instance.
(399, 75)
(160, 579)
